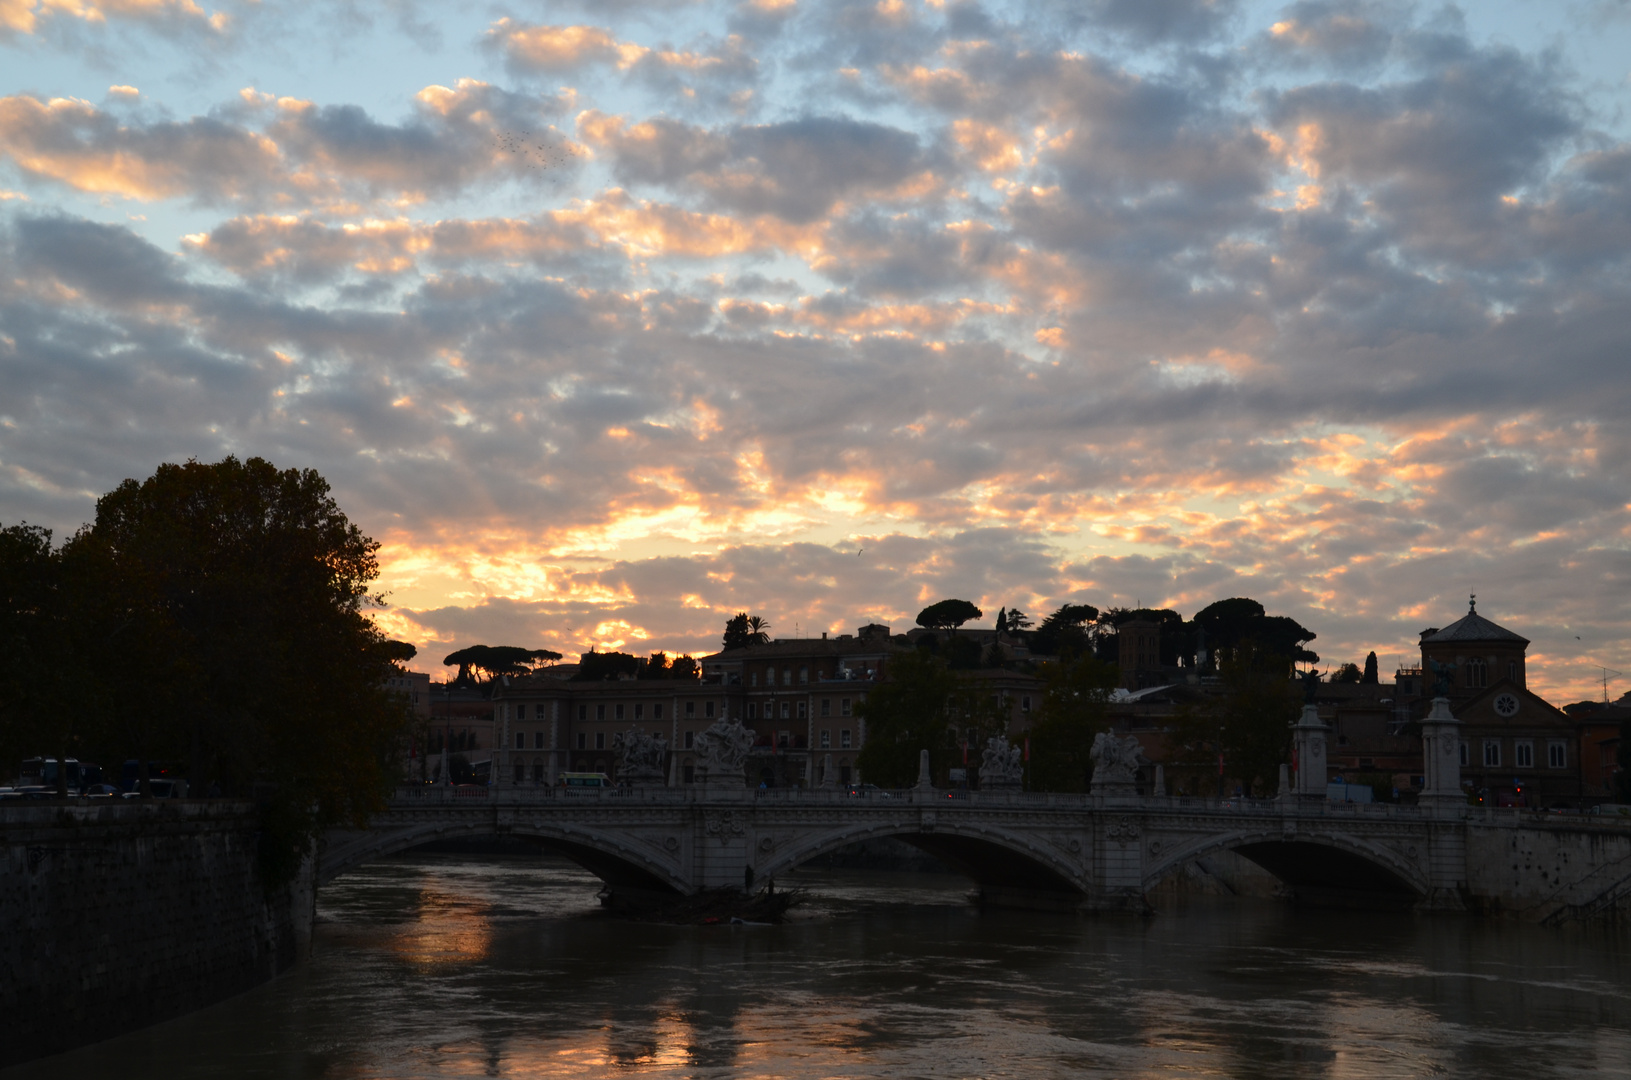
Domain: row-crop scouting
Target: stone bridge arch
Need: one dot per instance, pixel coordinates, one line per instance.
(1330, 867)
(998, 860)
(621, 859)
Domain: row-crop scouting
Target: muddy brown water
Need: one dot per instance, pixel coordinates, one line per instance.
(444, 965)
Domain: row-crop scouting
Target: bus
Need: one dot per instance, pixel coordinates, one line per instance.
(585, 780)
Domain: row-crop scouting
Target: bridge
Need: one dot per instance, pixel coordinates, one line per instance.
(1038, 850)
(1101, 851)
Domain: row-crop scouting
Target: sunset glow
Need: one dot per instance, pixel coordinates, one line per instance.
(613, 321)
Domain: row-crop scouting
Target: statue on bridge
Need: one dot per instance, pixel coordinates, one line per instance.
(1115, 764)
(640, 757)
(1000, 764)
(723, 749)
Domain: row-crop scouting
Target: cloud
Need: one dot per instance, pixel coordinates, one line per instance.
(283, 151)
(1116, 305)
(796, 170)
(32, 16)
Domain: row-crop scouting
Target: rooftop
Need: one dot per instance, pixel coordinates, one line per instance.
(1474, 627)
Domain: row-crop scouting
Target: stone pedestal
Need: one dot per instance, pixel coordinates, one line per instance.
(924, 781)
(1308, 736)
(1441, 757)
(1443, 798)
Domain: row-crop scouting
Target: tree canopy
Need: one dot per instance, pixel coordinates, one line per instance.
(484, 663)
(600, 666)
(948, 615)
(1250, 727)
(1074, 709)
(1228, 623)
(213, 615)
(742, 630)
(923, 705)
(1069, 629)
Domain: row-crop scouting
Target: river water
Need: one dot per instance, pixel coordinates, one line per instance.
(455, 966)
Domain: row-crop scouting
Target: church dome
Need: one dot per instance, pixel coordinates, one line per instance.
(1474, 627)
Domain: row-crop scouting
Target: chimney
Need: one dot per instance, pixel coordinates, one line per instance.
(823, 635)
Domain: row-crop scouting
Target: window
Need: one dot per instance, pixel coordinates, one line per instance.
(826, 739)
(1557, 754)
(708, 709)
(583, 712)
(1512, 670)
(690, 709)
(688, 774)
(1523, 754)
(538, 740)
(656, 712)
(618, 708)
(753, 679)
(753, 711)
(804, 710)
(583, 740)
(1466, 755)
(843, 707)
(600, 740)
(690, 739)
(804, 675)
(1492, 753)
(1477, 672)
(538, 772)
(520, 740)
(843, 739)
(600, 712)
(1025, 703)
(826, 706)
(520, 771)
(639, 710)
(782, 739)
(770, 676)
(787, 709)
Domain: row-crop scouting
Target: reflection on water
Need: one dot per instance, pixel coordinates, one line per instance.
(439, 966)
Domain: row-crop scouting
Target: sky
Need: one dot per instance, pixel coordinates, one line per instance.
(609, 320)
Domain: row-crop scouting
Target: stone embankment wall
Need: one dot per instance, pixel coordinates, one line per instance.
(1549, 869)
(115, 915)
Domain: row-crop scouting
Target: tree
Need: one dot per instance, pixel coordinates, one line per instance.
(742, 630)
(908, 712)
(1017, 620)
(1370, 678)
(484, 663)
(1002, 620)
(400, 652)
(685, 668)
(1349, 673)
(948, 615)
(1067, 630)
(601, 666)
(236, 593)
(1229, 622)
(1073, 711)
(1250, 726)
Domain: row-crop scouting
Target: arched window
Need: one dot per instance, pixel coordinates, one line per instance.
(1477, 672)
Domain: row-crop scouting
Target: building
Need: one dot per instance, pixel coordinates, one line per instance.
(799, 696)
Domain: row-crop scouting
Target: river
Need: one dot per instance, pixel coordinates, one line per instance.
(452, 966)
